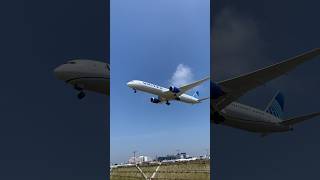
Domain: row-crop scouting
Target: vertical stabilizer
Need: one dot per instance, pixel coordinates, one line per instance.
(196, 94)
(276, 105)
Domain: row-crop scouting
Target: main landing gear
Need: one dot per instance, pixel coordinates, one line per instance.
(81, 94)
(134, 90)
(168, 103)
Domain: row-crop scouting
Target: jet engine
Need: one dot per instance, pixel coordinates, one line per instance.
(155, 100)
(174, 89)
(217, 118)
(216, 91)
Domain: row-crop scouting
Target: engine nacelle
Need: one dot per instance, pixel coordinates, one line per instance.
(216, 91)
(217, 118)
(155, 100)
(174, 89)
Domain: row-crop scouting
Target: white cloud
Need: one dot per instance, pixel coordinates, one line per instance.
(237, 44)
(182, 75)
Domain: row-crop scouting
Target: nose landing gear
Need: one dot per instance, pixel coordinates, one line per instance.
(81, 95)
(168, 103)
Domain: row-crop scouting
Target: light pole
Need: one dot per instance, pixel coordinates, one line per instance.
(134, 156)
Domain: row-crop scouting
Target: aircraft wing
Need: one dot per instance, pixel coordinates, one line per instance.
(187, 87)
(236, 87)
(299, 119)
(170, 95)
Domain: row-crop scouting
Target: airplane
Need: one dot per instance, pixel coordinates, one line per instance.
(226, 111)
(85, 75)
(165, 94)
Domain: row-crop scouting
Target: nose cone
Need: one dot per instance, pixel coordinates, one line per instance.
(57, 71)
(60, 72)
(129, 84)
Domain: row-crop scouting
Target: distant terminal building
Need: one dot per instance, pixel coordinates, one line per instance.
(182, 156)
(139, 159)
(168, 157)
(173, 157)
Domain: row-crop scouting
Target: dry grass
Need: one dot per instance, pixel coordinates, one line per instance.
(191, 170)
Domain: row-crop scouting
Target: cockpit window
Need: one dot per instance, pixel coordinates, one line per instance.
(108, 67)
(71, 62)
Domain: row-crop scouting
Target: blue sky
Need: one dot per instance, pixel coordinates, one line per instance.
(149, 41)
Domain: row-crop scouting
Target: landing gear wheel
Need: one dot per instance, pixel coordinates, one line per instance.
(167, 103)
(134, 90)
(81, 95)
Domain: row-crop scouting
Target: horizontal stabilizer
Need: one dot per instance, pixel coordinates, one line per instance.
(200, 100)
(299, 119)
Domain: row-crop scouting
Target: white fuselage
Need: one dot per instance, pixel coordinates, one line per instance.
(251, 119)
(85, 75)
(159, 91)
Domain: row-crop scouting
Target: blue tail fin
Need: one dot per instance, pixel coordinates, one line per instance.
(196, 94)
(276, 105)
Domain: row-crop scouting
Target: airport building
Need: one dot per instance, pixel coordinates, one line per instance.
(173, 157)
(139, 159)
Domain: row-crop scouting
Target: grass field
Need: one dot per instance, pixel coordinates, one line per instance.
(190, 170)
